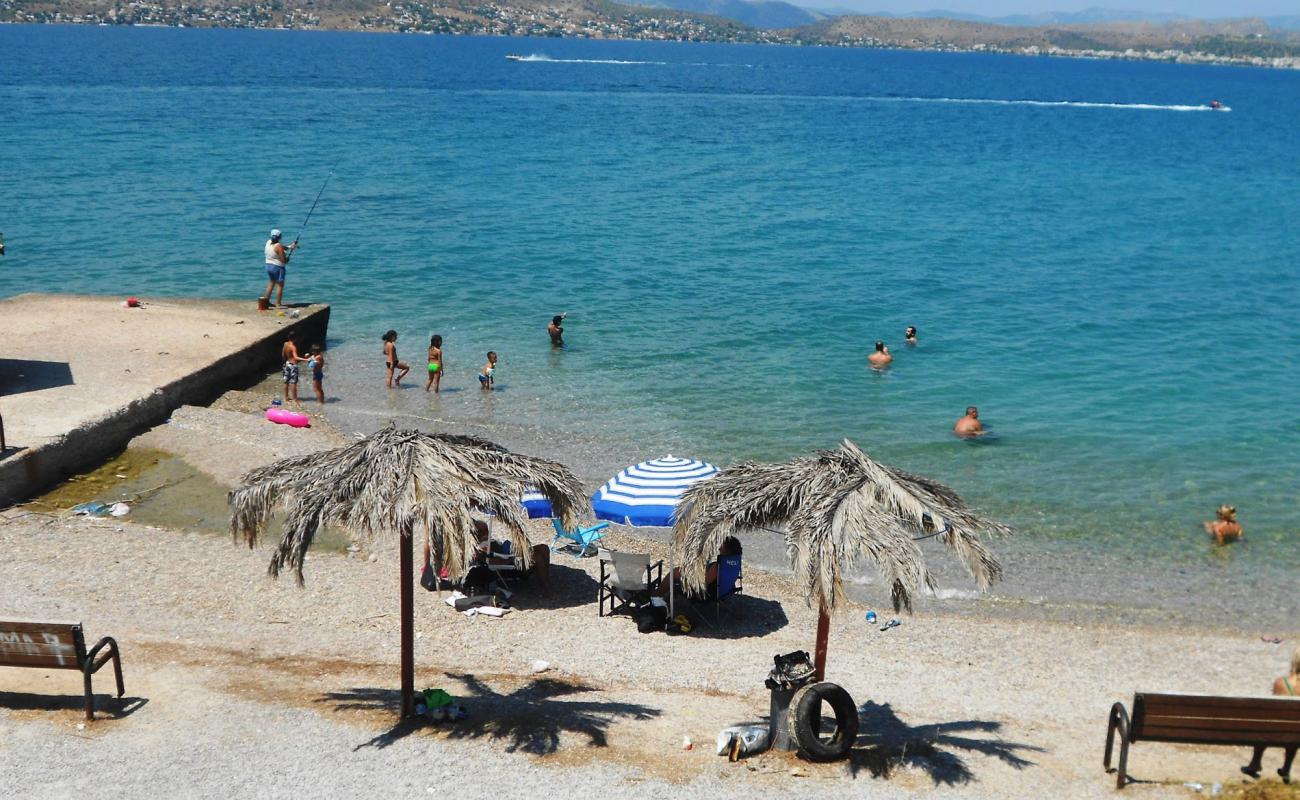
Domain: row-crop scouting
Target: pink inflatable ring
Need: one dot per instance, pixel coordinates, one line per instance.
(290, 418)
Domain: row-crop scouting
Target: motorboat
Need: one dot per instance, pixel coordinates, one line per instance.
(514, 57)
(1215, 105)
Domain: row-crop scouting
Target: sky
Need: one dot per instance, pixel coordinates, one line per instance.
(998, 8)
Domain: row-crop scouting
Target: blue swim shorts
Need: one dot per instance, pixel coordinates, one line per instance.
(275, 272)
(290, 372)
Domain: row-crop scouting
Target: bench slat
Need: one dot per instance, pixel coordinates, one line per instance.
(46, 661)
(1209, 706)
(1185, 735)
(1223, 724)
(33, 625)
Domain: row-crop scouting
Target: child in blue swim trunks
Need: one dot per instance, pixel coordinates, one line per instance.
(316, 363)
(486, 377)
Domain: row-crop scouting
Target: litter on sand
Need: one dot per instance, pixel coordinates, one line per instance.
(119, 509)
(92, 509)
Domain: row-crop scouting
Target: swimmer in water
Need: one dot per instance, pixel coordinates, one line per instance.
(486, 378)
(881, 358)
(1224, 528)
(970, 424)
(910, 334)
(391, 362)
(436, 365)
(555, 331)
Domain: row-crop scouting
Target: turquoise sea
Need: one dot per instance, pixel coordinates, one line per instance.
(1103, 265)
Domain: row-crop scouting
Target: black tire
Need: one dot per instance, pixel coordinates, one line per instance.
(804, 721)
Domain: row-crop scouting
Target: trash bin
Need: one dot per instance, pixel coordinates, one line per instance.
(790, 673)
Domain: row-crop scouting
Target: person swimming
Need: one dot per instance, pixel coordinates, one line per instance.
(881, 358)
(1224, 528)
(555, 331)
(436, 365)
(909, 335)
(486, 377)
(970, 424)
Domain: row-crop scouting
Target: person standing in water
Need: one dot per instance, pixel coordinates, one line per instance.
(487, 377)
(392, 363)
(316, 363)
(909, 335)
(289, 354)
(277, 260)
(436, 365)
(881, 358)
(1224, 528)
(555, 331)
(969, 425)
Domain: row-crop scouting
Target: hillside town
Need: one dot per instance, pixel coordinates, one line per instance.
(611, 21)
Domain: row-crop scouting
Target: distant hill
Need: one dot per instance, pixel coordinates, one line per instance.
(767, 14)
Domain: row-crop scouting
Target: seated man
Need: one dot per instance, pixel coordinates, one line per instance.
(730, 547)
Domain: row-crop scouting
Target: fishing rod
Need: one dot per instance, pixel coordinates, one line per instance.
(313, 208)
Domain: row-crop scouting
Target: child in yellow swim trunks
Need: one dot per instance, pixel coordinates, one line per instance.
(436, 367)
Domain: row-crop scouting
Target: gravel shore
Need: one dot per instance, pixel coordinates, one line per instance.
(240, 685)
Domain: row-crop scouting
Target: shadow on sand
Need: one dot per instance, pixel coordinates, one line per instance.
(106, 706)
(886, 743)
(530, 719)
(740, 616)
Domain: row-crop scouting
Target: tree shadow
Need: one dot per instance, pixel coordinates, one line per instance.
(888, 743)
(106, 706)
(569, 587)
(740, 616)
(530, 719)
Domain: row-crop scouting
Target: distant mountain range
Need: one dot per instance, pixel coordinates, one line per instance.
(774, 15)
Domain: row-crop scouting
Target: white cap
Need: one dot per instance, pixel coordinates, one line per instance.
(275, 233)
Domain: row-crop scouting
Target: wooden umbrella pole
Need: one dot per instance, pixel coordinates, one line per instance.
(408, 626)
(823, 636)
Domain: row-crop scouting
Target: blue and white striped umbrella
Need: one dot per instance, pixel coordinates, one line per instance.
(647, 493)
(537, 506)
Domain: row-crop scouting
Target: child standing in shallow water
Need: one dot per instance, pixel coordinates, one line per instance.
(396, 369)
(317, 365)
(486, 377)
(435, 365)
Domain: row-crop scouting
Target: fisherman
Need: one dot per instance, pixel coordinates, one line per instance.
(277, 258)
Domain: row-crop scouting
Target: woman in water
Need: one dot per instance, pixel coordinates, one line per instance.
(1225, 529)
(391, 362)
(435, 365)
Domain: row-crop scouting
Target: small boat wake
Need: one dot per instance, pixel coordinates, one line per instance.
(548, 60)
(545, 59)
(1215, 106)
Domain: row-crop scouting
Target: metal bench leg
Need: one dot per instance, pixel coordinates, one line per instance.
(90, 693)
(1288, 757)
(93, 664)
(1119, 723)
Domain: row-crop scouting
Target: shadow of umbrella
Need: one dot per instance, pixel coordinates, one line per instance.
(531, 719)
(891, 743)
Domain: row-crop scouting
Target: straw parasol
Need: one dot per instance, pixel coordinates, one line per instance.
(836, 507)
(403, 483)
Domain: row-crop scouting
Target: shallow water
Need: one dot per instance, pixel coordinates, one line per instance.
(1101, 265)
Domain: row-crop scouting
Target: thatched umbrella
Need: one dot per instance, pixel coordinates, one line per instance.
(835, 508)
(404, 483)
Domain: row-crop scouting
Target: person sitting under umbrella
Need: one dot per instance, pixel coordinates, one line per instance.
(730, 547)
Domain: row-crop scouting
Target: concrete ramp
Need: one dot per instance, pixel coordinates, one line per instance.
(80, 375)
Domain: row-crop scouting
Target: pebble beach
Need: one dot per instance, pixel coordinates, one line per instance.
(242, 685)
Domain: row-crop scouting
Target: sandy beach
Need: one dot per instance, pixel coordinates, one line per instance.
(241, 685)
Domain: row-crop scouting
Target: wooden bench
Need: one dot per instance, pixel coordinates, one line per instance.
(1198, 719)
(57, 645)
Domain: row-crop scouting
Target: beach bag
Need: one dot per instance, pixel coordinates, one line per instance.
(478, 580)
(428, 579)
(650, 618)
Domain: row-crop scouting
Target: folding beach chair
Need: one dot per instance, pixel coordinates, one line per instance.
(627, 579)
(729, 583)
(584, 538)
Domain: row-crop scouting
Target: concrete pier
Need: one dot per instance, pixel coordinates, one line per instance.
(80, 375)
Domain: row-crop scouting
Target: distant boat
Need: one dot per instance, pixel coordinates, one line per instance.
(1215, 105)
(513, 57)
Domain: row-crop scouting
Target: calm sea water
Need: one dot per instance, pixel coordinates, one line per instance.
(1102, 265)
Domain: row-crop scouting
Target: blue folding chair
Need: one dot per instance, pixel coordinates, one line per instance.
(729, 575)
(584, 538)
